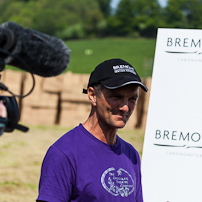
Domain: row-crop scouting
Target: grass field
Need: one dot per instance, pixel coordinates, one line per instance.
(21, 156)
(86, 54)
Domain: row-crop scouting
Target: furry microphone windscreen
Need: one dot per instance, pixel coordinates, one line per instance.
(43, 55)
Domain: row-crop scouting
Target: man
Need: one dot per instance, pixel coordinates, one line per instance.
(92, 163)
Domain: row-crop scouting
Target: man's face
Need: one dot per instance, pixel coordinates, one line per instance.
(114, 107)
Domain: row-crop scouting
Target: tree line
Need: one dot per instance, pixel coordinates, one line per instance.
(78, 19)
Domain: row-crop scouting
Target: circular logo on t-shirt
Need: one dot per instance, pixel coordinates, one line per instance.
(117, 182)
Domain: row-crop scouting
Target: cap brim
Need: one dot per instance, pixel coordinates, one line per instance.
(113, 84)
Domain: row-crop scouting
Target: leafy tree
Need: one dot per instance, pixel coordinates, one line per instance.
(105, 7)
(124, 17)
(184, 13)
(86, 18)
(54, 17)
(136, 16)
(148, 17)
(91, 16)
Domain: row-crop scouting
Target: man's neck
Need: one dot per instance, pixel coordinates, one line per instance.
(101, 132)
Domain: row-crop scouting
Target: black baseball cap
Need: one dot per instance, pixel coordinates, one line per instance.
(115, 73)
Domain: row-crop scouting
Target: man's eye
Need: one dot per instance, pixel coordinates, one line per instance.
(134, 99)
(117, 97)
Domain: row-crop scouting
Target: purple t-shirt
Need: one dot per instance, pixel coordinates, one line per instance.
(78, 167)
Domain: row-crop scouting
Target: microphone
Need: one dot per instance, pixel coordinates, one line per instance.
(33, 51)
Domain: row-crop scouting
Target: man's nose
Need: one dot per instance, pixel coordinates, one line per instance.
(124, 105)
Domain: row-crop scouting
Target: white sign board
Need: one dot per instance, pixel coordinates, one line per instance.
(172, 151)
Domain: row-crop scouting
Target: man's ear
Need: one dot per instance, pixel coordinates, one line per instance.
(92, 95)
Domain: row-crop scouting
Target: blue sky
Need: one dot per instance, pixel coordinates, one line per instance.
(115, 2)
(163, 2)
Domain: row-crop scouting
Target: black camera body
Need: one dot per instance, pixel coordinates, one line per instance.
(13, 115)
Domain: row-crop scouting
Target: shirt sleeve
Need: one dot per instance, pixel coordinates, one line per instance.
(57, 177)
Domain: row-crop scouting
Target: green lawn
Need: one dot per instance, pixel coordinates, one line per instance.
(86, 54)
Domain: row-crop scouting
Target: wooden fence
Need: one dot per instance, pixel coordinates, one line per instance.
(59, 100)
